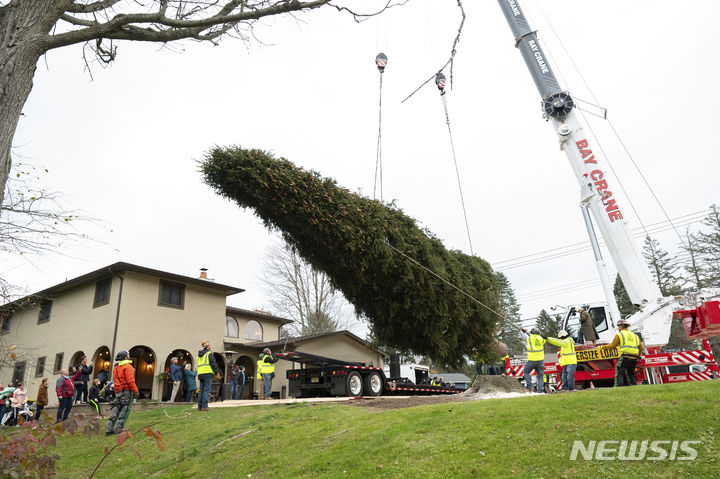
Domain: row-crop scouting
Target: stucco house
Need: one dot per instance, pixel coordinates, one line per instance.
(154, 315)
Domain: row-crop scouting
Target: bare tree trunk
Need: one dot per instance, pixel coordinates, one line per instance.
(24, 25)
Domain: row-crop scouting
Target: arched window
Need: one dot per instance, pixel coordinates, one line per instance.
(231, 327)
(253, 331)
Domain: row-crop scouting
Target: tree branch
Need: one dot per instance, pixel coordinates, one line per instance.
(450, 60)
(91, 7)
(124, 26)
(361, 17)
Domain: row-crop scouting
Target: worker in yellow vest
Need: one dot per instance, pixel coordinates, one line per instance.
(630, 348)
(568, 359)
(206, 368)
(503, 362)
(534, 344)
(266, 367)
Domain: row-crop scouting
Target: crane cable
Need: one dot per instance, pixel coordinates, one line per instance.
(420, 265)
(440, 82)
(380, 62)
(617, 136)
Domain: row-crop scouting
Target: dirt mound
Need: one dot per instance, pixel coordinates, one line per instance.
(484, 387)
(494, 384)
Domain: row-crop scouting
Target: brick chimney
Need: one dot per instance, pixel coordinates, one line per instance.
(203, 273)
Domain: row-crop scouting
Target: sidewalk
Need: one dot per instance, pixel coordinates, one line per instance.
(269, 402)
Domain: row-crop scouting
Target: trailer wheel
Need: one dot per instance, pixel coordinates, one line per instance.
(354, 384)
(373, 384)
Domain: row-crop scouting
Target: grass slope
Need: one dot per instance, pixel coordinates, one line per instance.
(523, 437)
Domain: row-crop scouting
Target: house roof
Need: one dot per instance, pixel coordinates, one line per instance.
(257, 314)
(302, 339)
(117, 268)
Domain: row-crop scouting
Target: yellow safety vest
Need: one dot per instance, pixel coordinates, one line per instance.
(266, 368)
(260, 367)
(567, 352)
(203, 363)
(629, 343)
(534, 345)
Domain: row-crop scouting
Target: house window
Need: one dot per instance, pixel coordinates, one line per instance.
(18, 372)
(58, 362)
(231, 327)
(253, 331)
(5, 326)
(102, 292)
(172, 294)
(44, 315)
(40, 367)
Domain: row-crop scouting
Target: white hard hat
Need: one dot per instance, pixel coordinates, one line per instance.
(563, 334)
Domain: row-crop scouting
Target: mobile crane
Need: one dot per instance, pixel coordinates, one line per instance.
(653, 321)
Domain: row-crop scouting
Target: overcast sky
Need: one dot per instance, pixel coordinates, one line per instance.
(123, 145)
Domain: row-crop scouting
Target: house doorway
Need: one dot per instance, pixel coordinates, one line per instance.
(143, 359)
(101, 362)
(184, 357)
(249, 376)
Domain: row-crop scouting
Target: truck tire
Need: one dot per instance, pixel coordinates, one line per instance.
(354, 384)
(373, 384)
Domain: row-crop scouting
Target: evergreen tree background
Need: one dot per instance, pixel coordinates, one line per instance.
(708, 244)
(549, 325)
(663, 268)
(508, 327)
(623, 300)
(694, 266)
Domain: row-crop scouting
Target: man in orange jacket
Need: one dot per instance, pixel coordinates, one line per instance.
(125, 390)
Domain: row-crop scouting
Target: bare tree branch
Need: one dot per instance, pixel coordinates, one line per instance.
(33, 220)
(91, 7)
(157, 27)
(301, 293)
(361, 17)
(450, 60)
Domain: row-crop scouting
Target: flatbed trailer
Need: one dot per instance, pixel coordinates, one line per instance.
(323, 376)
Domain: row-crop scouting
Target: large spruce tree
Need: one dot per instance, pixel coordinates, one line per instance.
(372, 252)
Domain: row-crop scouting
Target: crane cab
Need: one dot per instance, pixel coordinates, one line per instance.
(600, 317)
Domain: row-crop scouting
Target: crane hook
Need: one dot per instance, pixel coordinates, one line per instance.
(440, 82)
(381, 61)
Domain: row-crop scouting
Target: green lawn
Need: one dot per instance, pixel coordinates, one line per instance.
(523, 437)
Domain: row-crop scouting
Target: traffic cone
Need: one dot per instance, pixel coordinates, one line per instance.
(592, 386)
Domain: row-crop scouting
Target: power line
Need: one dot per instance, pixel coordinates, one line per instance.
(584, 246)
